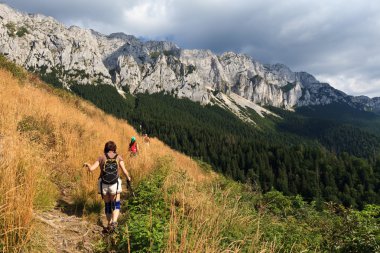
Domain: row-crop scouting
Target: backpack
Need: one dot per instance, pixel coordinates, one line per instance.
(110, 172)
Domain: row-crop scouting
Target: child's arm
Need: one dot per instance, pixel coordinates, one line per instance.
(92, 167)
(122, 165)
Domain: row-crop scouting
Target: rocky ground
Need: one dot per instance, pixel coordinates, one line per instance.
(67, 233)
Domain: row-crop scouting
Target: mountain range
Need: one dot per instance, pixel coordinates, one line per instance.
(303, 136)
(72, 56)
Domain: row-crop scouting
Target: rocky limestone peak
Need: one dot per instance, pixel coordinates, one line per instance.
(233, 55)
(9, 14)
(281, 71)
(161, 46)
(83, 56)
(306, 79)
(368, 103)
(123, 36)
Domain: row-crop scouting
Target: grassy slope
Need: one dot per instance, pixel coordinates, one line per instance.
(47, 134)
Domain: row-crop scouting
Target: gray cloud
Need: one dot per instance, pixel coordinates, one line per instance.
(337, 41)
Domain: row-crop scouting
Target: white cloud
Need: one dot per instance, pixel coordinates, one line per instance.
(150, 18)
(333, 39)
(353, 85)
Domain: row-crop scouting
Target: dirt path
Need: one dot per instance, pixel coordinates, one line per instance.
(67, 233)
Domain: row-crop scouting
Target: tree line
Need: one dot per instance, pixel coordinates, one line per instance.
(267, 158)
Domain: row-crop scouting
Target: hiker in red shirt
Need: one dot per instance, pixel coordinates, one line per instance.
(133, 147)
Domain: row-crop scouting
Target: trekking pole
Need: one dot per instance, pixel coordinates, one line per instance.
(129, 186)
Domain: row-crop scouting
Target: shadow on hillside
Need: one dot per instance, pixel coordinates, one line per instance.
(79, 209)
(70, 208)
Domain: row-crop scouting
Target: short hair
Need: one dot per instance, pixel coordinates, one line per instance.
(110, 146)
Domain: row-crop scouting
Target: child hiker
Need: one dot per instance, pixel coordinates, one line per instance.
(109, 183)
(133, 147)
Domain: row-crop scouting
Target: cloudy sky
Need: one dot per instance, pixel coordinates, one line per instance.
(337, 41)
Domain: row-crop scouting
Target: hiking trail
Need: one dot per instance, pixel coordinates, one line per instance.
(67, 233)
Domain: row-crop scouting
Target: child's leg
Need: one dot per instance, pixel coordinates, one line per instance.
(108, 207)
(115, 207)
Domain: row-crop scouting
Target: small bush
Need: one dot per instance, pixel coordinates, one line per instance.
(52, 77)
(169, 52)
(16, 71)
(22, 31)
(154, 55)
(38, 130)
(356, 231)
(100, 246)
(11, 28)
(190, 69)
(277, 203)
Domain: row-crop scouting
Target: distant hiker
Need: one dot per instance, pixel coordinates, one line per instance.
(133, 147)
(109, 183)
(146, 139)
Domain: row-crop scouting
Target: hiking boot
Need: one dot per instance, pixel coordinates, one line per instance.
(112, 227)
(106, 230)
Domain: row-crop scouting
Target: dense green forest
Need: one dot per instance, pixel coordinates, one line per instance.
(340, 128)
(321, 160)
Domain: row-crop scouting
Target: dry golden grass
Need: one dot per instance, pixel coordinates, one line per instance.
(202, 213)
(45, 137)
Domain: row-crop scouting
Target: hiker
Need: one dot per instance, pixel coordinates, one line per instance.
(146, 139)
(109, 183)
(133, 147)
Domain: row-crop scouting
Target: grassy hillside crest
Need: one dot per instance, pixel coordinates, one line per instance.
(181, 206)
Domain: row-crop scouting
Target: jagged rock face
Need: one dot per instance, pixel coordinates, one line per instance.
(375, 104)
(368, 103)
(84, 56)
(265, 85)
(48, 44)
(127, 72)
